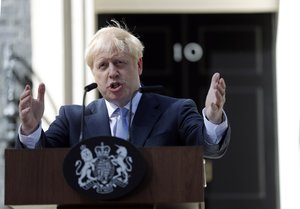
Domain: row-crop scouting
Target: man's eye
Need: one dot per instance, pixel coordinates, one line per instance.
(101, 65)
(120, 62)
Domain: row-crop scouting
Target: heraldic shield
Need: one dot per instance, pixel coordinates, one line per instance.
(104, 167)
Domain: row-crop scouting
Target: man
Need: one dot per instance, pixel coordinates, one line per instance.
(114, 56)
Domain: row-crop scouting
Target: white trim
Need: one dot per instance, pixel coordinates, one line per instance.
(186, 6)
(83, 27)
(288, 102)
(78, 45)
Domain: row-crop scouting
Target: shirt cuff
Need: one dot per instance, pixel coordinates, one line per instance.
(215, 132)
(30, 140)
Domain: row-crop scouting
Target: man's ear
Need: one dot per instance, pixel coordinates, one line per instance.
(140, 65)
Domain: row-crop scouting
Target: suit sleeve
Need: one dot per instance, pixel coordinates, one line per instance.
(192, 130)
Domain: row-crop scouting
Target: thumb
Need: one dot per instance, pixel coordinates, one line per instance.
(41, 92)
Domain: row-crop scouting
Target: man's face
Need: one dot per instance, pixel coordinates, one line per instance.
(117, 76)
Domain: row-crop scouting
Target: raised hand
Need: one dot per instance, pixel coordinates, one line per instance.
(31, 110)
(215, 99)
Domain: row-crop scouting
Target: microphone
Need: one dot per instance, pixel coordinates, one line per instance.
(86, 89)
(142, 89)
(90, 87)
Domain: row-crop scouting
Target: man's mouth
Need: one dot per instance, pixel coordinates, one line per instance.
(115, 85)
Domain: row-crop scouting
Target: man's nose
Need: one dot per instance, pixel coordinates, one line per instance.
(113, 71)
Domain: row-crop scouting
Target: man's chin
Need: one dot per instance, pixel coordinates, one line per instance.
(118, 98)
(117, 101)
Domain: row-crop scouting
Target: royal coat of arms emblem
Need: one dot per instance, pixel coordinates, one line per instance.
(103, 167)
(105, 171)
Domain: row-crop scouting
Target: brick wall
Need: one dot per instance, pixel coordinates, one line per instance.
(15, 37)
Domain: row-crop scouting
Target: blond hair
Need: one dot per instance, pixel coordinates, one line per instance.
(113, 38)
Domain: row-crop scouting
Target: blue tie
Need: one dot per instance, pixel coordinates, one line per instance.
(121, 129)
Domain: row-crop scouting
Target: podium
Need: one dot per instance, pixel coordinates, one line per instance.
(174, 175)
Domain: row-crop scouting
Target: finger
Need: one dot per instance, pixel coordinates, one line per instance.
(25, 98)
(41, 92)
(222, 83)
(26, 92)
(219, 99)
(24, 112)
(25, 102)
(214, 80)
(221, 89)
(221, 86)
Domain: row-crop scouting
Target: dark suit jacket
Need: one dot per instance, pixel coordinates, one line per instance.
(158, 121)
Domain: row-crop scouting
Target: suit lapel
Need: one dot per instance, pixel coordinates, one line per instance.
(97, 122)
(146, 116)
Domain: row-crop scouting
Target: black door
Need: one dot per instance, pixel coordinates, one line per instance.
(182, 51)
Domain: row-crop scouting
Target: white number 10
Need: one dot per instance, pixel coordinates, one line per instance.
(192, 52)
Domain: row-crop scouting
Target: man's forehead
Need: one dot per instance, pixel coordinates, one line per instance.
(112, 55)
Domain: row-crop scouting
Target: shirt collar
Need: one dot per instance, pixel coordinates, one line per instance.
(111, 107)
